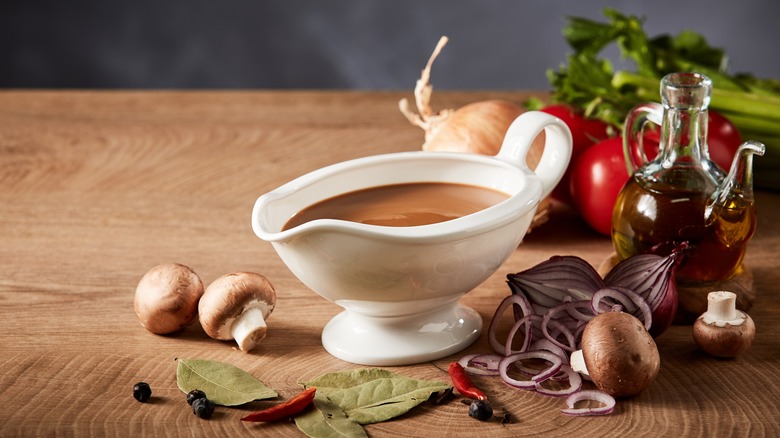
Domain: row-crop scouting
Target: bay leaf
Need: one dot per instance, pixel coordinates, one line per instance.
(371, 395)
(327, 420)
(224, 384)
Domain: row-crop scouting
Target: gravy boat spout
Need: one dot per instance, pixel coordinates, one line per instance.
(400, 285)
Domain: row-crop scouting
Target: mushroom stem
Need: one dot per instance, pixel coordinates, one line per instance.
(249, 328)
(722, 309)
(577, 362)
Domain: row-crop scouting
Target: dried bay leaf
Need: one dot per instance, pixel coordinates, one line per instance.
(371, 395)
(327, 420)
(224, 384)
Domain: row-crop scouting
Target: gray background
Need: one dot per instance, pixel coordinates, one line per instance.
(494, 44)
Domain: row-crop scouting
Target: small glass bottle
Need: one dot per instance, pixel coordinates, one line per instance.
(672, 198)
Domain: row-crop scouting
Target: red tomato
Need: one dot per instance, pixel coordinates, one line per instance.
(723, 139)
(585, 133)
(597, 176)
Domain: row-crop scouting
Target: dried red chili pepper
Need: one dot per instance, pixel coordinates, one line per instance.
(284, 410)
(463, 383)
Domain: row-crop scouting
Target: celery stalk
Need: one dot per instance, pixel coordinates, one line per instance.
(765, 108)
(748, 104)
(755, 125)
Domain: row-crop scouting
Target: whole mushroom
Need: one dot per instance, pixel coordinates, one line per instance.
(723, 331)
(618, 354)
(166, 298)
(235, 306)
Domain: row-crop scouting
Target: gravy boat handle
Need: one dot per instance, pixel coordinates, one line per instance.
(557, 146)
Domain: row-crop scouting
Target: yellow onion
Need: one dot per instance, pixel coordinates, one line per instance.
(478, 127)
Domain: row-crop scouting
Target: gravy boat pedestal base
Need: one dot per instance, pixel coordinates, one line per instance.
(401, 340)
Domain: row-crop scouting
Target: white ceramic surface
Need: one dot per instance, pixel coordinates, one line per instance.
(400, 286)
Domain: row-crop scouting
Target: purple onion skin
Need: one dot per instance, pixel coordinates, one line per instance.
(666, 310)
(664, 314)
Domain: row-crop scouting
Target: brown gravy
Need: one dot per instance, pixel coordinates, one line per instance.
(402, 205)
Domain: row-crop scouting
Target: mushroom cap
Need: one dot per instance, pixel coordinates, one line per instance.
(621, 356)
(229, 296)
(727, 340)
(166, 298)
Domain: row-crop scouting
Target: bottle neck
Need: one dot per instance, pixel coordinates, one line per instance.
(683, 136)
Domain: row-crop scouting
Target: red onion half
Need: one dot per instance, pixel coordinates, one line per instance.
(550, 282)
(652, 277)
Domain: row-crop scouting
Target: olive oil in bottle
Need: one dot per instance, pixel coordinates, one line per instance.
(647, 217)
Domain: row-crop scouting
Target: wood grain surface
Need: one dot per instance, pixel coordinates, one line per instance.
(98, 187)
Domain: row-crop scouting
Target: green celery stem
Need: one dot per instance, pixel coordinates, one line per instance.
(733, 102)
(754, 125)
(762, 106)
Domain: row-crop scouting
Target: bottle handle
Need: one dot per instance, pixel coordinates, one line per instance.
(557, 146)
(634, 131)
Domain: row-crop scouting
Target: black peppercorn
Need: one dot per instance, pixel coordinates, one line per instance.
(506, 417)
(142, 392)
(480, 410)
(194, 395)
(442, 397)
(203, 407)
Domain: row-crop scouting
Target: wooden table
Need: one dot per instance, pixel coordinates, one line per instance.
(98, 187)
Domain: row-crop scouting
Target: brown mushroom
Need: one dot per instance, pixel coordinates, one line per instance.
(618, 354)
(723, 331)
(166, 298)
(235, 306)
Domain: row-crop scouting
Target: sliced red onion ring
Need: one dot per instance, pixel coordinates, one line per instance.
(628, 299)
(503, 371)
(548, 321)
(574, 320)
(578, 336)
(481, 364)
(545, 344)
(507, 361)
(466, 360)
(487, 361)
(574, 308)
(607, 400)
(555, 365)
(528, 370)
(527, 322)
(520, 302)
(475, 368)
(611, 297)
(575, 383)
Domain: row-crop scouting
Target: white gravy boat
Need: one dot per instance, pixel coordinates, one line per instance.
(400, 286)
